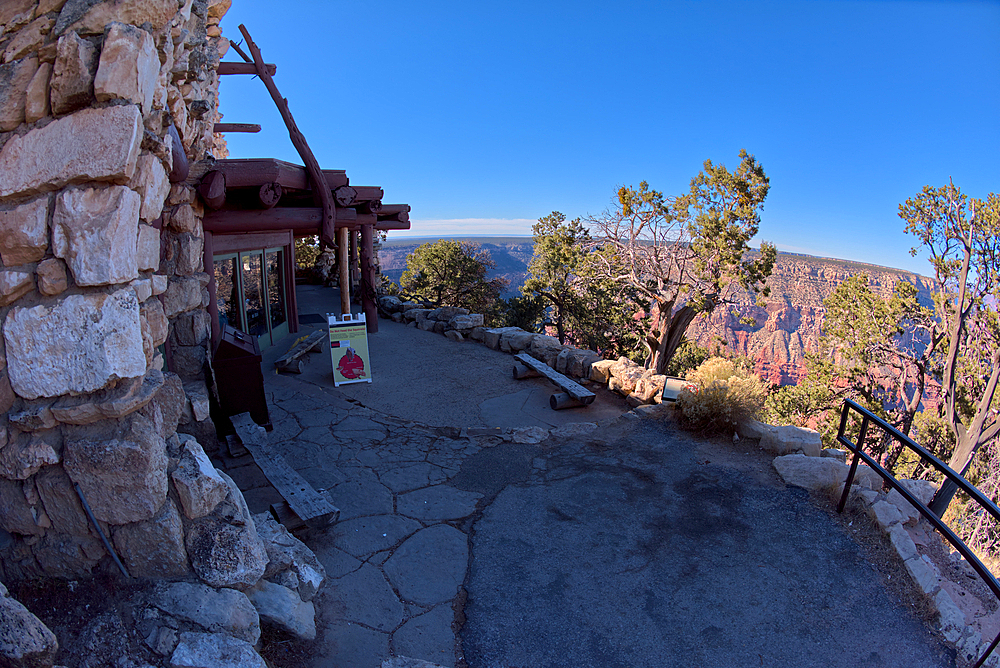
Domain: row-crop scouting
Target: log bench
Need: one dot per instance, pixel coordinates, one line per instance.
(573, 394)
(303, 506)
(292, 361)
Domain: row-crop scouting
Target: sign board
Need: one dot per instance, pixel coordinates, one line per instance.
(349, 348)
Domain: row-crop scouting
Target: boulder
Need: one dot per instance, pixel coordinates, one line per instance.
(24, 640)
(627, 373)
(390, 304)
(416, 314)
(24, 232)
(214, 650)
(128, 67)
(477, 333)
(282, 607)
(120, 466)
(199, 486)
(515, 341)
(817, 473)
(600, 371)
(215, 610)
(63, 556)
(649, 387)
(580, 361)
(95, 232)
(545, 348)
(466, 322)
(79, 345)
(15, 78)
(224, 547)
(491, 337)
(154, 548)
(446, 313)
(90, 145)
(788, 440)
(72, 82)
(836, 453)
(454, 335)
(285, 552)
(924, 490)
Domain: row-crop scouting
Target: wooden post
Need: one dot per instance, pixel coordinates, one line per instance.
(319, 185)
(355, 267)
(369, 277)
(345, 278)
(213, 299)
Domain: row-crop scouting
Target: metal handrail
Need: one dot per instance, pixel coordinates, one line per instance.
(868, 417)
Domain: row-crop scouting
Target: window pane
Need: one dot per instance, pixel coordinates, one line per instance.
(226, 294)
(252, 277)
(276, 287)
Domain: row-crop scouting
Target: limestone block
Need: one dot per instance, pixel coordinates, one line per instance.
(24, 639)
(390, 304)
(477, 333)
(147, 249)
(952, 621)
(396, 317)
(649, 387)
(14, 81)
(214, 650)
(286, 552)
(143, 289)
(183, 293)
(95, 231)
(61, 502)
(217, 610)
(437, 327)
(218, 8)
(199, 486)
(545, 348)
(79, 345)
(90, 145)
(32, 417)
(189, 254)
(922, 489)
(52, 278)
(465, 322)
(152, 312)
(924, 573)
(90, 18)
(189, 361)
(836, 453)
(170, 400)
(885, 514)
(491, 337)
(154, 548)
(152, 184)
(28, 39)
(224, 547)
(14, 13)
(580, 362)
(183, 219)
(600, 371)
(36, 97)
(454, 335)
(446, 313)
(515, 340)
(112, 403)
(812, 473)
(121, 467)
(72, 83)
(627, 373)
(14, 285)
(901, 540)
(426, 324)
(789, 439)
(27, 453)
(159, 284)
(64, 556)
(24, 232)
(192, 328)
(753, 429)
(282, 607)
(16, 514)
(128, 67)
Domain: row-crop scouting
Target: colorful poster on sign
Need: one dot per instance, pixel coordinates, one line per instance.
(349, 349)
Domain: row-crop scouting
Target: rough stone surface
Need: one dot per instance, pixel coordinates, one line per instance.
(466, 321)
(79, 345)
(437, 503)
(224, 547)
(24, 640)
(197, 396)
(62, 505)
(440, 553)
(121, 468)
(789, 439)
(428, 635)
(90, 145)
(14, 81)
(72, 82)
(36, 98)
(491, 337)
(28, 38)
(95, 231)
(902, 541)
(199, 486)
(14, 285)
(52, 277)
(147, 248)
(153, 186)
(62, 556)
(813, 473)
(24, 233)
(183, 294)
(515, 341)
(113, 403)
(454, 335)
(282, 607)
(214, 650)
(886, 514)
(16, 514)
(128, 67)
(154, 548)
(216, 610)
(25, 455)
(285, 552)
(925, 575)
(90, 18)
(922, 489)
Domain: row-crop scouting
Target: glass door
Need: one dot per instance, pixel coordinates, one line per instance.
(250, 293)
(274, 271)
(252, 284)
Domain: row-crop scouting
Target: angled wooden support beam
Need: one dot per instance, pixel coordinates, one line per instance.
(244, 68)
(320, 188)
(236, 127)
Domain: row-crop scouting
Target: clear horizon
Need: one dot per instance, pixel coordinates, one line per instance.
(485, 118)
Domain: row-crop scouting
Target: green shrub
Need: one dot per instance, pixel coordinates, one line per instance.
(724, 395)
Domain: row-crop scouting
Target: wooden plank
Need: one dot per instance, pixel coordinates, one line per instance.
(236, 127)
(245, 68)
(570, 387)
(309, 345)
(369, 278)
(213, 189)
(311, 506)
(393, 209)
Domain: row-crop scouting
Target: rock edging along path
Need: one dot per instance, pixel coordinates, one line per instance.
(628, 543)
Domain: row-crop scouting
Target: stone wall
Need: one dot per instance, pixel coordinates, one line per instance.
(103, 358)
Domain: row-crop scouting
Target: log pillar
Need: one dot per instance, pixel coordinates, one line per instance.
(369, 277)
(355, 265)
(344, 274)
(213, 301)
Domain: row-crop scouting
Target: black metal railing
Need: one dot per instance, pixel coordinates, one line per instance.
(868, 418)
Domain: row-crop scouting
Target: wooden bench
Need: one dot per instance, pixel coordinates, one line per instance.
(303, 506)
(573, 394)
(292, 360)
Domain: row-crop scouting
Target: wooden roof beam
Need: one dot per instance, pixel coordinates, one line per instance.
(245, 68)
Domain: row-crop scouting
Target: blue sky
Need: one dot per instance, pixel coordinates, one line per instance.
(485, 116)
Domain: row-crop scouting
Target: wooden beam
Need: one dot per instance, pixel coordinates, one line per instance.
(345, 195)
(316, 177)
(387, 225)
(365, 193)
(369, 278)
(247, 172)
(345, 279)
(245, 68)
(179, 167)
(269, 194)
(213, 189)
(296, 219)
(236, 127)
(392, 209)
